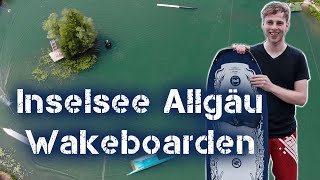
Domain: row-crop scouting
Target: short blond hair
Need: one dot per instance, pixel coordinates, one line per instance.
(274, 7)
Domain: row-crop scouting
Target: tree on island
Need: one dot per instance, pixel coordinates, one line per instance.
(76, 35)
(51, 25)
(75, 32)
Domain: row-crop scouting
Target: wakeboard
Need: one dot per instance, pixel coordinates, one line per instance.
(241, 133)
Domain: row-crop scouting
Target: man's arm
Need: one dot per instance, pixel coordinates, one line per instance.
(298, 96)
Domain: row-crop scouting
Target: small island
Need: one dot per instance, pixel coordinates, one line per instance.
(73, 41)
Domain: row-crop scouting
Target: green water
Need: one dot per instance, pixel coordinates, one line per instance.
(154, 49)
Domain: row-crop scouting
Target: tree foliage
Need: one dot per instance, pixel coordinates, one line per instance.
(51, 25)
(75, 32)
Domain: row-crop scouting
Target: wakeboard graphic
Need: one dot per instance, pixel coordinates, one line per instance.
(241, 132)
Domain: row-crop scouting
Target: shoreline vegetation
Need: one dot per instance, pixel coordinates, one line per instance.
(11, 168)
(77, 39)
(314, 9)
(310, 7)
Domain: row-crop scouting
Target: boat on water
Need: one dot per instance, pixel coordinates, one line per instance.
(16, 135)
(175, 6)
(146, 162)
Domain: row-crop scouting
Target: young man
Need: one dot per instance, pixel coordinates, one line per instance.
(285, 79)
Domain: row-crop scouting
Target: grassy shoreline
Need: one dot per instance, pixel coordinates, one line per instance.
(311, 9)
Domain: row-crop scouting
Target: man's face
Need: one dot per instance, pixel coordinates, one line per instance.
(275, 27)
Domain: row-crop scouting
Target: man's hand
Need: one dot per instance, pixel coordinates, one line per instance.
(240, 48)
(298, 96)
(262, 81)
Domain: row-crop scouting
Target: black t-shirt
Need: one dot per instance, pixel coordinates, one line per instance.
(283, 71)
